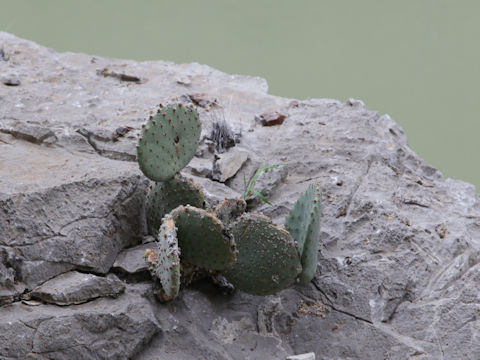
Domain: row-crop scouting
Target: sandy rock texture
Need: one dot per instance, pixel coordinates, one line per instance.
(398, 268)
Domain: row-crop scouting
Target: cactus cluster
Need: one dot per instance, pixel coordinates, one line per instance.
(247, 249)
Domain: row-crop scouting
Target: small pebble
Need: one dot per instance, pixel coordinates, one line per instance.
(307, 356)
(184, 80)
(10, 79)
(271, 118)
(355, 103)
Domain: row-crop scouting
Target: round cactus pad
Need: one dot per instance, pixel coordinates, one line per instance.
(168, 141)
(165, 262)
(203, 239)
(303, 223)
(268, 259)
(165, 196)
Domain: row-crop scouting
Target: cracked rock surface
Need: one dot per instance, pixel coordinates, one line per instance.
(399, 260)
(76, 288)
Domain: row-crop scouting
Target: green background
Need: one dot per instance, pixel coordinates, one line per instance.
(417, 60)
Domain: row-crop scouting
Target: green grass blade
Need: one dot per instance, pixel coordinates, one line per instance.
(244, 187)
(260, 195)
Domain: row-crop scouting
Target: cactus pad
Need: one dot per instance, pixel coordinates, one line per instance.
(164, 264)
(165, 196)
(203, 239)
(168, 141)
(303, 223)
(268, 259)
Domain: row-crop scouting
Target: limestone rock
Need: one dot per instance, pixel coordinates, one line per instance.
(76, 288)
(200, 167)
(132, 260)
(214, 191)
(227, 164)
(399, 260)
(307, 356)
(10, 79)
(101, 329)
(29, 132)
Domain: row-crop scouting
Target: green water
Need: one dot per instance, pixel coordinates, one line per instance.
(417, 60)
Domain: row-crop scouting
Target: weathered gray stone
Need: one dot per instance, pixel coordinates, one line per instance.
(213, 190)
(7, 271)
(399, 248)
(307, 356)
(16, 339)
(132, 260)
(29, 132)
(10, 290)
(65, 210)
(10, 79)
(100, 329)
(227, 164)
(6, 138)
(76, 288)
(200, 167)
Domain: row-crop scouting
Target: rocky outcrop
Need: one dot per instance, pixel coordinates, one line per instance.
(399, 247)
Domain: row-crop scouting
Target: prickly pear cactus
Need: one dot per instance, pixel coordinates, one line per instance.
(164, 263)
(168, 141)
(229, 210)
(203, 239)
(268, 259)
(165, 196)
(303, 223)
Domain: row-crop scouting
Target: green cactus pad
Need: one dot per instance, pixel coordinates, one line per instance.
(268, 259)
(165, 196)
(203, 239)
(164, 263)
(229, 210)
(168, 141)
(303, 223)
